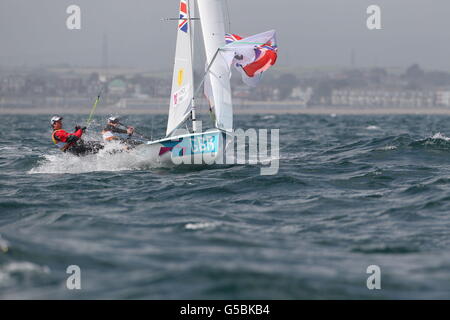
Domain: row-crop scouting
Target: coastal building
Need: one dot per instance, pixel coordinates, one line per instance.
(383, 98)
(302, 95)
(443, 98)
(117, 87)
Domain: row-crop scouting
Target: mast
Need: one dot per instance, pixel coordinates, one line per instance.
(213, 27)
(192, 35)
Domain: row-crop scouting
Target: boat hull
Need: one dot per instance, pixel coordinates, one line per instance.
(190, 149)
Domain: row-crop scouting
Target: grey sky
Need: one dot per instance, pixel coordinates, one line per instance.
(310, 32)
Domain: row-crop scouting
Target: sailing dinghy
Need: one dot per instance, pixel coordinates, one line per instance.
(184, 144)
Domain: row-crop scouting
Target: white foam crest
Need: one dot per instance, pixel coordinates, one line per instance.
(373, 128)
(387, 148)
(107, 159)
(7, 148)
(23, 267)
(440, 136)
(201, 225)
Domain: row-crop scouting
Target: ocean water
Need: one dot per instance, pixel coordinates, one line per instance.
(352, 191)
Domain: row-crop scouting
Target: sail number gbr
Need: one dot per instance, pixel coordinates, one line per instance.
(204, 144)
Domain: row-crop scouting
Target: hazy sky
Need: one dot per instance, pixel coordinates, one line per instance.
(310, 32)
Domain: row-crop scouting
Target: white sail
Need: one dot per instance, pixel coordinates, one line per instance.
(183, 79)
(213, 27)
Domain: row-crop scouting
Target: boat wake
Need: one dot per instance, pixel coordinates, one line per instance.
(114, 157)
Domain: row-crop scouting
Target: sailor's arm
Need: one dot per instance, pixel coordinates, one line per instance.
(108, 135)
(79, 131)
(118, 130)
(64, 136)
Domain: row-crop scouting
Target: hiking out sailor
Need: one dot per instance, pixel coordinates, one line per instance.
(72, 142)
(113, 132)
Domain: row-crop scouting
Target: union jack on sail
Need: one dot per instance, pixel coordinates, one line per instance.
(183, 24)
(229, 38)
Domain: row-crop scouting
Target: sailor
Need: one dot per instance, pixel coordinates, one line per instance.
(112, 131)
(72, 142)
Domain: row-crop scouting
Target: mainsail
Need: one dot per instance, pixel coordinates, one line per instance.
(183, 79)
(218, 77)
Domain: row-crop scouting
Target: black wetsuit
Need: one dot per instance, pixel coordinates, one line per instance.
(113, 129)
(82, 148)
(127, 140)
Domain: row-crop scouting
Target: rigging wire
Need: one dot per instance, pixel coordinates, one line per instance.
(228, 15)
(151, 132)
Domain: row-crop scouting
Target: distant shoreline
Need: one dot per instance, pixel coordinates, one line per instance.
(263, 108)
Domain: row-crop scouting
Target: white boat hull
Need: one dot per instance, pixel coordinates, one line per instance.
(190, 149)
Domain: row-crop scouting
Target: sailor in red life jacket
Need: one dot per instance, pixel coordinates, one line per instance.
(71, 141)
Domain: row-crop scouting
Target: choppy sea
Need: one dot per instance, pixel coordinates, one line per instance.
(351, 192)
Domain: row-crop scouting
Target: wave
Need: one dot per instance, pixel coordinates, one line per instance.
(438, 141)
(387, 148)
(23, 268)
(106, 160)
(440, 136)
(201, 225)
(401, 142)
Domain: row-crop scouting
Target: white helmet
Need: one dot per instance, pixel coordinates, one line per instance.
(114, 119)
(55, 119)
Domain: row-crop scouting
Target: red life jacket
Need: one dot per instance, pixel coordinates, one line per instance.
(63, 146)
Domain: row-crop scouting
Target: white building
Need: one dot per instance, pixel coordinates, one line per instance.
(443, 98)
